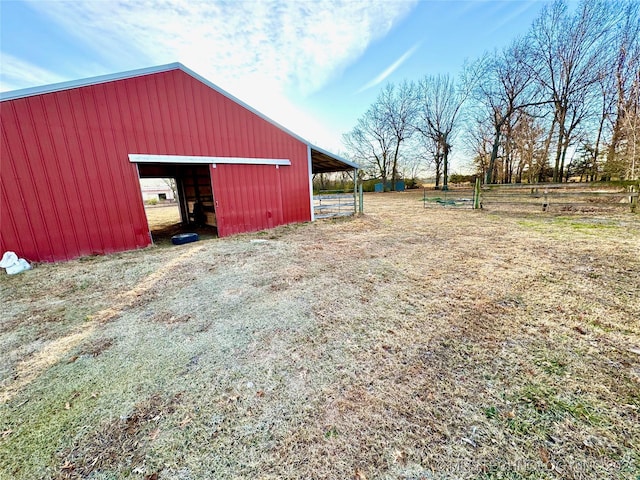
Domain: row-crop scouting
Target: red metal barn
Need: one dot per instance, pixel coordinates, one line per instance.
(72, 155)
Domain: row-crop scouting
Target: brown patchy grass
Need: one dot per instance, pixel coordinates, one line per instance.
(162, 216)
(118, 443)
(407, 343)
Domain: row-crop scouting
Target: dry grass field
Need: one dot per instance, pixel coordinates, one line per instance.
(407, 343)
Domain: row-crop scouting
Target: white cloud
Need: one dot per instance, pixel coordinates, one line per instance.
(264, 52)
(390, 69)
(296, 45)
(17, 73)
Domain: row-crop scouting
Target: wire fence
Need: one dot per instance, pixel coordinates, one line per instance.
(329, 204)
(545, 197)
(561, 197)
(454, 198)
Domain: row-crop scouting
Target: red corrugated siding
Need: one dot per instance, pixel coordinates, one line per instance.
(67, 186)
(247, 197)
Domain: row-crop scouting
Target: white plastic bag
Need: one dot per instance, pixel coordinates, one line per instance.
(8, 259)
(13, 264)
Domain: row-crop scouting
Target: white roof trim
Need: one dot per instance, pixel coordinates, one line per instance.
(83, 82)
(193, 159)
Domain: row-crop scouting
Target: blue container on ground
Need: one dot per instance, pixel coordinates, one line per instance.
(184, 238)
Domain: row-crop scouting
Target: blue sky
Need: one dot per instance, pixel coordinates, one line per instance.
(313, 66)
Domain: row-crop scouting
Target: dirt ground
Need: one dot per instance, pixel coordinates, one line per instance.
(407, 343)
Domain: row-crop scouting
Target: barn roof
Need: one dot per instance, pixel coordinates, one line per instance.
(322, 160)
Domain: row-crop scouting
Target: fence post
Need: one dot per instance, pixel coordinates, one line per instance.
(355, 190)
(476, 194)
(360, 204)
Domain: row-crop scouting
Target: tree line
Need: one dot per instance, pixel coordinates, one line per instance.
(559, 102)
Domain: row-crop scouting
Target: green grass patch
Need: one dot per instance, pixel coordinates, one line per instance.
(95, 383)
(554, 365)
(535, 224)
(590, 226)
(491, 412)
(541, 405)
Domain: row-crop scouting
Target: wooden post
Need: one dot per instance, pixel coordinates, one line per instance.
(476, 194)
(360, 203)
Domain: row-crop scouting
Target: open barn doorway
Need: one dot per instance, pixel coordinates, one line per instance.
(193, 209)
(160, 197)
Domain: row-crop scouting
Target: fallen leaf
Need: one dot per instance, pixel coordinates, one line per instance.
(67, 406)
(544, 456)
(154, 434)
(580, 330)
(259, 393)
(151, 476)
(360, 475)
(73, 359)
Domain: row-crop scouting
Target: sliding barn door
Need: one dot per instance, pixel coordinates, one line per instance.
(247, 198)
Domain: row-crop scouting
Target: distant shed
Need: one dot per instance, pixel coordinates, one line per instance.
(72, 155)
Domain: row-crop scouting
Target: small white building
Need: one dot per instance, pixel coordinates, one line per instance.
(156, 189)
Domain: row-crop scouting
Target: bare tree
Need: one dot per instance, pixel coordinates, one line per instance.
(623, 156)
(528, 139)
(479, 138)
(603, 107)
(632, 126)
(320, 181)
(171, 183)
(439, 114)
(570, 57)
(371, 142)
(399, 106)
(415, 159)
(418, 157)
(378, 136)
(626, 87)
(505, 88)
